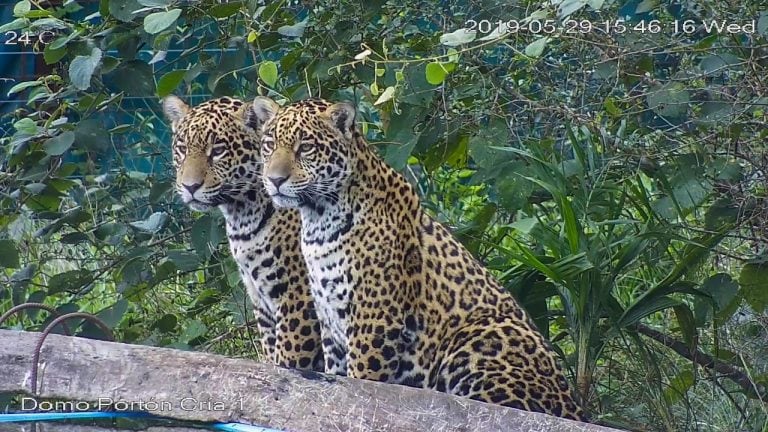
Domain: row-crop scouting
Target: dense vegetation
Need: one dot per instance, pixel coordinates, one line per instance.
(606, 158)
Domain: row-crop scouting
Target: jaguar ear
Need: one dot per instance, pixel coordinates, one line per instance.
(342, 115)
(174, 108)
(262, 110)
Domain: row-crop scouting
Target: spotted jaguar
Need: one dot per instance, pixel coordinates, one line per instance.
(399, 299)
(218, 164)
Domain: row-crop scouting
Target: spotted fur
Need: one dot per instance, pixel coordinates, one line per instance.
(217, 161)
(400, 300)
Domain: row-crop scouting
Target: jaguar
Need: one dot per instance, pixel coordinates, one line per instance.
(216, 156)
(399, 299)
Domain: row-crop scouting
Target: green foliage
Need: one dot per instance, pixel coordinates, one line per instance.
(268, 73)
(611, 178)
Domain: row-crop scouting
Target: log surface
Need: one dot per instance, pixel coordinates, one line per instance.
(206, 387)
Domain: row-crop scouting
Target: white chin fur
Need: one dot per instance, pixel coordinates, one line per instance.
(198, 206)
(285, 202)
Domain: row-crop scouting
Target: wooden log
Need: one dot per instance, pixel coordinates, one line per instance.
(206, 387)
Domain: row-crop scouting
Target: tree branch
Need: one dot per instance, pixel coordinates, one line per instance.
(705, 360)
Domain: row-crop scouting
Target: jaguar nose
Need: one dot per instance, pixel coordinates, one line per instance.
(192, 187)
(277, 180)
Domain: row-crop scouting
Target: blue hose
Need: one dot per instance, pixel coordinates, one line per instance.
(53, 416)
(240, 427)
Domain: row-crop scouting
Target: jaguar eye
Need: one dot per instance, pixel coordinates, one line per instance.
(181, 149)
(305, 148)
(217, 151)
(267, 145)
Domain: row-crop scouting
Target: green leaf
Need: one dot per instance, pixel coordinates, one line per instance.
(24, 85)
(57, 145)
(18, 23)
(124, 10)
(201, 236)
(166, 323)
(268, 73)
(694, 253)
(570, 224)
(26, 126)
(69, 281)
(481, 145)
(611, 108)
(154, 223)
(63, 41)
(762, 24)
(722, 288)
(628, 254)
(524, 225)
(571, 266)
(225, 10)
(458, 37)
(134, 77)
(670, 100)
(184, 260)
(156, 22)
(75, 238)
(646, 6)
(168, 82)
(46, 24)
(82, 67)
(690, 192)
(754, 285)
(193, 330)
(569, 7)
(679, 386)
(536, 48)
(90, 134)
(158, 190)
(722, 291)
(387, 95)
(644, 308)
(9, 255)
(296, 30)
(111, 229)
(112, 315)
(400, 133)
(511, 193)
(686, 322)
(528, 258)
(21, 278)
(721, 214)
(435, 73)
(22, 8)
(719, 63)
(155, 3)
(53, 55)
(206, 298)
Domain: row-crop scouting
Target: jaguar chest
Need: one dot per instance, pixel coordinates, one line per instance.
(250, 242)
(332, 290)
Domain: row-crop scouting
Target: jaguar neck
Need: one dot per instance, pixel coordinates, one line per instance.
(367, 191)
(247, 216)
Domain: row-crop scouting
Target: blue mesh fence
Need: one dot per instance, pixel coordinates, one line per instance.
(132, 151)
